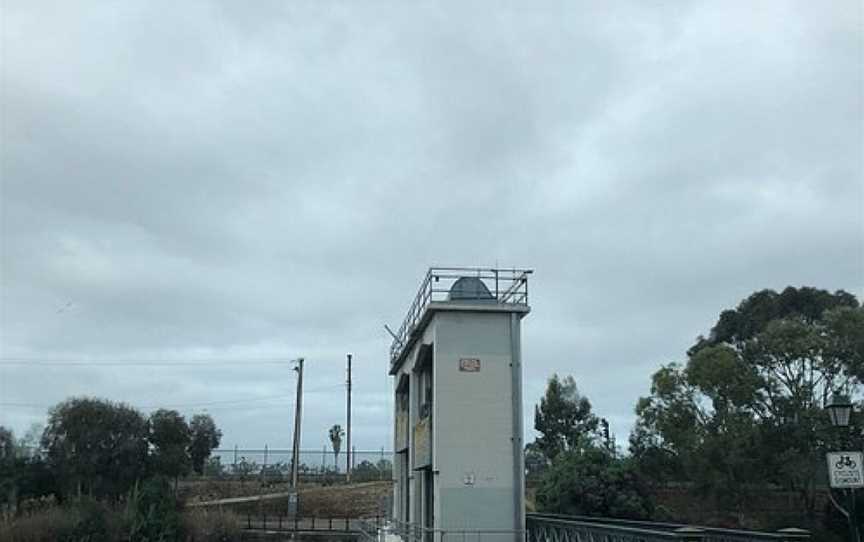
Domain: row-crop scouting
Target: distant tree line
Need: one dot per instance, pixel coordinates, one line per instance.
(101, 449)
(743, 413)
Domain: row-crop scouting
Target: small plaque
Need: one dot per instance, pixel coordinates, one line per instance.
(469, 365)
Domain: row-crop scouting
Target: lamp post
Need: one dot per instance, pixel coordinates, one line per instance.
(847, 474)
(839, 410)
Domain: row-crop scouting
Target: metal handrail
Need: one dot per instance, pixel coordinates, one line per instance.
(541, 529)
(507, 286)
(662, 531)
(560, 528)
(412, 532)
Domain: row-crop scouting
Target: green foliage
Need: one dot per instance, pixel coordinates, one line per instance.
(748, 406)
(244, 468)
(535, 462)
(101, 449)
(95, 447)
(564, 419)
(336, 433)
(7, 444)
(22, 475)
(8, 493)
(754, 313)
(91, 524)
(213, 467)
(152, 513)
(366, 471)
(205, 439)
(593, 482)
(170, 438)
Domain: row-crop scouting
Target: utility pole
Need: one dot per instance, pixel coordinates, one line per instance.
(348, 448)
(295, 452)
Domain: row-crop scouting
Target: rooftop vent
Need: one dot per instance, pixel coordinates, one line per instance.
(469, 289)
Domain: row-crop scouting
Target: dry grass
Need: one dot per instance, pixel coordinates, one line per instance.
(43, 526)
(211, 525)
(65, 524)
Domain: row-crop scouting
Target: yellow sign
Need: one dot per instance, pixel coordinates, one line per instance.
(423, 443)
(401, 430)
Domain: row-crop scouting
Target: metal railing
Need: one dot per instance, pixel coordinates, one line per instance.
(506, 286)
(412, 532)
(295, 524)
(560, 528)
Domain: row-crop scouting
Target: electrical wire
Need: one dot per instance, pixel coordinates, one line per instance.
(192, 405)
(57, 362)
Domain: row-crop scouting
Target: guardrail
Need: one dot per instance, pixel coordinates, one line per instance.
(411, 532)
(561, 528)
(508, 286)
(310, 525)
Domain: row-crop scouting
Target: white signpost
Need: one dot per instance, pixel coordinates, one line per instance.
(846, 469)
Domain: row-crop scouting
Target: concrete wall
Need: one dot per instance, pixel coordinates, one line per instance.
(473, 421)
(473, 458)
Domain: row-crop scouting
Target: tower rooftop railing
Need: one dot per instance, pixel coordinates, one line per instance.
(483, 286)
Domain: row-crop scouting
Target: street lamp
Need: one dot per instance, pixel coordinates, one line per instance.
(845, 470)
(839, 410)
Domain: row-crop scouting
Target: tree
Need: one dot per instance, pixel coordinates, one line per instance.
(593, 482)
(564, 419)
(29, 443)
(336, 433)
(95, 446)
(385, 469)
(366, 471)
(8, 487)
(7, 444)
(244, 468)
(535, 462)
(748, 404)
(213, 467)
(205, 438)
(153, 513)
(169, 437)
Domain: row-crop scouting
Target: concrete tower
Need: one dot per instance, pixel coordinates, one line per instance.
(456, 362)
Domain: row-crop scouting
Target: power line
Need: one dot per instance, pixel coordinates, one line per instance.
(197, 362)
(191, 405)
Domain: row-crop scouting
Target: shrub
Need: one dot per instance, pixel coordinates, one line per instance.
(594, 483)
(83, 521)
(44, 526)
(152, 514)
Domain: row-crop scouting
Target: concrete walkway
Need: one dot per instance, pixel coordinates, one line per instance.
(239, 500)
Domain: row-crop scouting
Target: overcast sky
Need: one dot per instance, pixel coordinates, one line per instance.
(207, 185)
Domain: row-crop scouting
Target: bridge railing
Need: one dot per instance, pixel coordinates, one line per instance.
(558, 528)
(412, 532)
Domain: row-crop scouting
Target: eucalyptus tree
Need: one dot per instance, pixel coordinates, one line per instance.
(748, 404)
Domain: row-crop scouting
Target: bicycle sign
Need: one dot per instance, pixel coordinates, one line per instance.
(846, 469)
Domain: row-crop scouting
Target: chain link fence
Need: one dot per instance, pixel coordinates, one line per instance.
(274, 464)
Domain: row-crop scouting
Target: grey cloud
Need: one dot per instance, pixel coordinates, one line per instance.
(209, 181)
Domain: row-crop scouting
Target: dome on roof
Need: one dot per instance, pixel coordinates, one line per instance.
(469, 288)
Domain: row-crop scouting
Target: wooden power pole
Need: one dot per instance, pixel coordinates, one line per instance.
(348, 448)
(295, 452)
